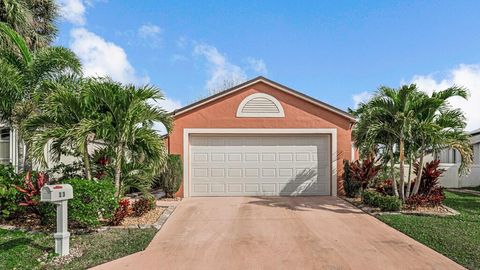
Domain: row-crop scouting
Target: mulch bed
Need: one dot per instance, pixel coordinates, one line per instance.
(441, 210)
(148, 218)
(31, 222)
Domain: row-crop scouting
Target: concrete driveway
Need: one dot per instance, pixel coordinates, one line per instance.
(278, 233)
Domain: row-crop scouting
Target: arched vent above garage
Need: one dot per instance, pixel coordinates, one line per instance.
(260, 105)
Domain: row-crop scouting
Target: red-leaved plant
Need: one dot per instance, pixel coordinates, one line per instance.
(101, 163)
(430, 192)
(385, 187)
(121, 213)
(31, 188)
(430, 176)
(363, 172)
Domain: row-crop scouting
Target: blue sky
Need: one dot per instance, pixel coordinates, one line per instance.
(336, 51)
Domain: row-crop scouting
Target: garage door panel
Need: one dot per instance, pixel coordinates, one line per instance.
(259, 165)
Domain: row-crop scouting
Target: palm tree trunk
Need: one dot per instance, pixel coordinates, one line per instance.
(392, 172)
(402, 169)
(416, 187)
(118, 168)
(409, 183)
(86, 160)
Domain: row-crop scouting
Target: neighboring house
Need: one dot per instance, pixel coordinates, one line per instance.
(450, 160)
(10, 152)
(261, 138)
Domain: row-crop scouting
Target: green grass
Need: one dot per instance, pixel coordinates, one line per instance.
(457, 237)
(22, 250)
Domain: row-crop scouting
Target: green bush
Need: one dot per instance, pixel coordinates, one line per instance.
(384, 202)
(351, 187)
(171, 178)
(9, 195)
(93, 201)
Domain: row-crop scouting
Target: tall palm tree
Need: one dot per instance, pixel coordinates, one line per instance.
(127, 124)
(34, 20)
(22, 74)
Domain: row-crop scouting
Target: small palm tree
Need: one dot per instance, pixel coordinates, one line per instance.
(439, 126)
(409, 123)
(66, 123)
(127, 122)
(23, 74)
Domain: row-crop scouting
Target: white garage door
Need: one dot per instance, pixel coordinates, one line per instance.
(252, 165)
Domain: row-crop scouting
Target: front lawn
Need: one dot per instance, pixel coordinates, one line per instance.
(457, 237)
(22, 250)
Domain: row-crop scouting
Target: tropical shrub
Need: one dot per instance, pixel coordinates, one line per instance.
(430, 176)
(9, 195)
(384, 202)
(30, 188)
(351, 187)
(93, 201)
(121, 213)
(171, 178)
(434, 198)
(143, 205)
(385, 187)
(430, 193)
(364, 172)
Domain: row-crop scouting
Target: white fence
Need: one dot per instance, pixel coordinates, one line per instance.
(450, 178)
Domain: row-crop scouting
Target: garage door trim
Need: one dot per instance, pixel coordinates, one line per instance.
(321, 131)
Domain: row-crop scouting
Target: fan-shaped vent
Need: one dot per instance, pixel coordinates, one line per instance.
(260, 105)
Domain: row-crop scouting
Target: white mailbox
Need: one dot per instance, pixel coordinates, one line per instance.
(59, 195)
(56, 193)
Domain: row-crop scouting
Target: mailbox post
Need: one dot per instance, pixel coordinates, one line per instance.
(59, 195)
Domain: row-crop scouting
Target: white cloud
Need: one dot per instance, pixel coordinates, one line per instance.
(463, 75)
(221, 71)
(149, 31)
(102, 58)
(168, 105)
(258, 65)
(361, 98)
(73, 11)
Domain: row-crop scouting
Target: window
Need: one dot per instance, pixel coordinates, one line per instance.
(4, 145)
(260, 105)
(4, 134)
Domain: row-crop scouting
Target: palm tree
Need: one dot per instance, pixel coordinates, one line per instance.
(438, 126)
(22, 75)
(34, 20)
(412, 124)
(66, 123)
(374, 135)
(127, 125)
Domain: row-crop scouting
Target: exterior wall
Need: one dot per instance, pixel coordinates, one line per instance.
(299, 113)
(451, 179)
(451, 161)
